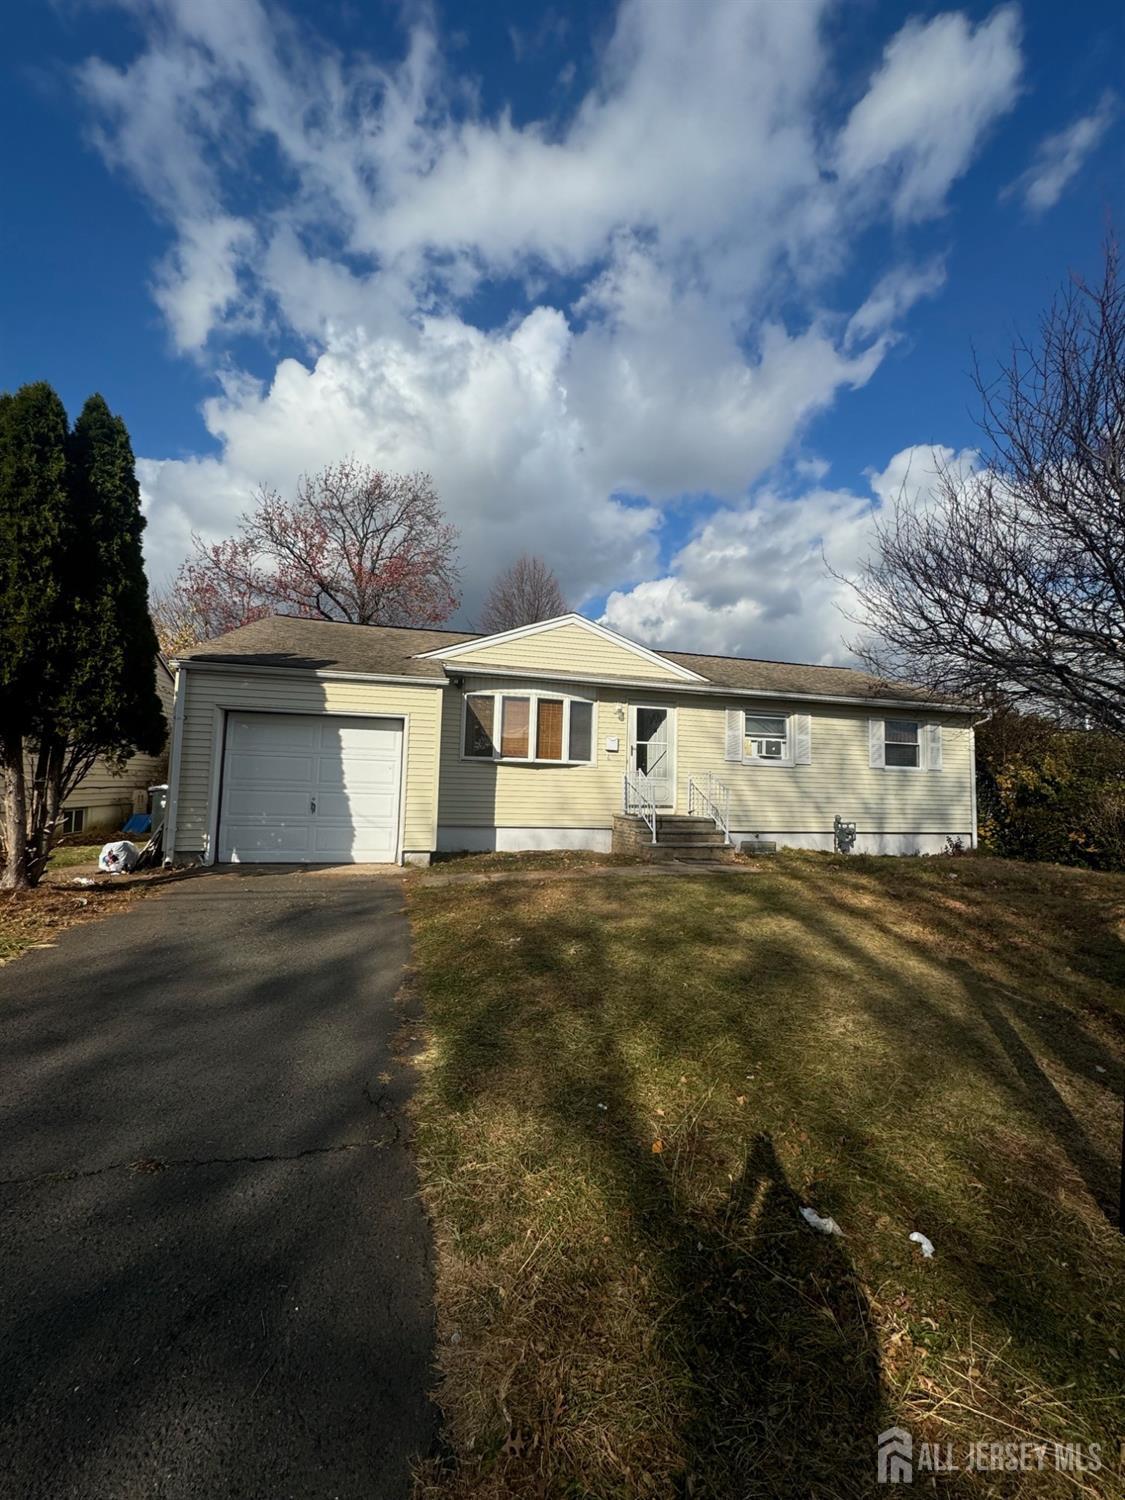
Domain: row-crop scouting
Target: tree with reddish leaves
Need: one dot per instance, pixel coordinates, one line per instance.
(522, 594)
(356, 544)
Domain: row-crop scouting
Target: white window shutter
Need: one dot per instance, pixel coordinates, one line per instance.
(933, 747)
(802, 739)
(876, 747)
(735, 724)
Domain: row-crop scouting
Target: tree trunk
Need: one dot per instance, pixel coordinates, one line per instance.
(13, 877)
(46, 800)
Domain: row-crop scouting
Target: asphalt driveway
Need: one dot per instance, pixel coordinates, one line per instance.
(215, 1269)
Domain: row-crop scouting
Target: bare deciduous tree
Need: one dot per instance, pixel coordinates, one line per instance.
(1009, 583)
(523, 593)
(355, 544)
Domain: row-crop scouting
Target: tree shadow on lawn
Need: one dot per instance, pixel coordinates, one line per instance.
(766, 1326)
(1012, 1027)
(760, 1342)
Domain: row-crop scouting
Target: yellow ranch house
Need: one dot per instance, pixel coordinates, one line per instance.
(299, 740)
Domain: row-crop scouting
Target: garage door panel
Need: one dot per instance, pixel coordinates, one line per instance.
(355, 776)
(256, 732)
(334, 843)
(310, 787)
(371, 736)
(262, 768)
(260, 805)
(368, 810)
(255, 841)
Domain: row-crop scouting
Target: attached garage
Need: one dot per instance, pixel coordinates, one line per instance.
(310, 788)
(300, 741)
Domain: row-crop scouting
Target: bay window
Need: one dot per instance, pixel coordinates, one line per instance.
(528, 727)
(515, 728)
(479, 715)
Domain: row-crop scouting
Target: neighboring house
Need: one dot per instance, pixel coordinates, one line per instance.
(303, 740)
(104, 797)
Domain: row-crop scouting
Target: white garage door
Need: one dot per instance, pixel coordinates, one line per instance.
(307, 788)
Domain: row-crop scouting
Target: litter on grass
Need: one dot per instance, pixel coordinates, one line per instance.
(925, 1245)
(118, 858)
(824, 1226)
(83, 880)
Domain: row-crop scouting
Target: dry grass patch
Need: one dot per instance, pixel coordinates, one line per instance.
(525, 859)
(33, 919)
(629, 1091)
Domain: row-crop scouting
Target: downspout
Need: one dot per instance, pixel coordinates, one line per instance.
(180, 691)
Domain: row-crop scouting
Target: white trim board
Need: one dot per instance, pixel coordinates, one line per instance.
(483, 839)
(704, 689)
(218, 755)
(866, 843)
(522, 632)
(328, 674)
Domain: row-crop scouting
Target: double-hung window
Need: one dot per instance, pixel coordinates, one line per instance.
(767, 737)
(902, 743)
(528, 727)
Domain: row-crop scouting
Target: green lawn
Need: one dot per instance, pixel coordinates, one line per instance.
(630, 1088)
(65, 855)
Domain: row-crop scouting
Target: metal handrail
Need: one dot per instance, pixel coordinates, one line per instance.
(712, 797)
(637, 803)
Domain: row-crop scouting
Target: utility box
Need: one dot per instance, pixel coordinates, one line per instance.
(158, 801)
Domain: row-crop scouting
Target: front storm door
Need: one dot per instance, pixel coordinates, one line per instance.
(651, 753)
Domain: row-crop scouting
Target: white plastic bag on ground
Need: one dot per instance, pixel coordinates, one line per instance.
(925, 1245)
(117, 859)
(825, 1226)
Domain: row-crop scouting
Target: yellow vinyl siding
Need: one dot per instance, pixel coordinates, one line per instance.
(568, 648)
(767, 798)
(484, 793)
(107, 793)
(838, 780)
(301, 692)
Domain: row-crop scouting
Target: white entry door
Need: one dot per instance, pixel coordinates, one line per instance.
(652, 753)
(308, 788)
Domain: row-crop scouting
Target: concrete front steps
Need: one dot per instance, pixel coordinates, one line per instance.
(676, 838)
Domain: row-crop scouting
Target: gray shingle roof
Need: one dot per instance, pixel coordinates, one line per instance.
(286, 641)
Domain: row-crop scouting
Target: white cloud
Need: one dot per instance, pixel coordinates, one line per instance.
(893, 296)
(767, 579)
(700, 198)
(940, 86)
(912, 474)
(753, 581)
(1060, 157)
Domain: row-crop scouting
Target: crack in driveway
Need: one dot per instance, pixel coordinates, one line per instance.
(156, 1164)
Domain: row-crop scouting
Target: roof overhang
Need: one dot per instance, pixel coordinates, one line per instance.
(702, 689)
(274, 669)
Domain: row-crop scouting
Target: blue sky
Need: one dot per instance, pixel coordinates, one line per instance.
(672, 294)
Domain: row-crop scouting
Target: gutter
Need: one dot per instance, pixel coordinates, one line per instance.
(329, 674)
(456, 670)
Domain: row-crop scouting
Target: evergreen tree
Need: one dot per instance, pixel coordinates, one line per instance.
(112, 699)
(91, 691)
(36, 533)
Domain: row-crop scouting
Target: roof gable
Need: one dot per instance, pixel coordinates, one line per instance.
(568, 641)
